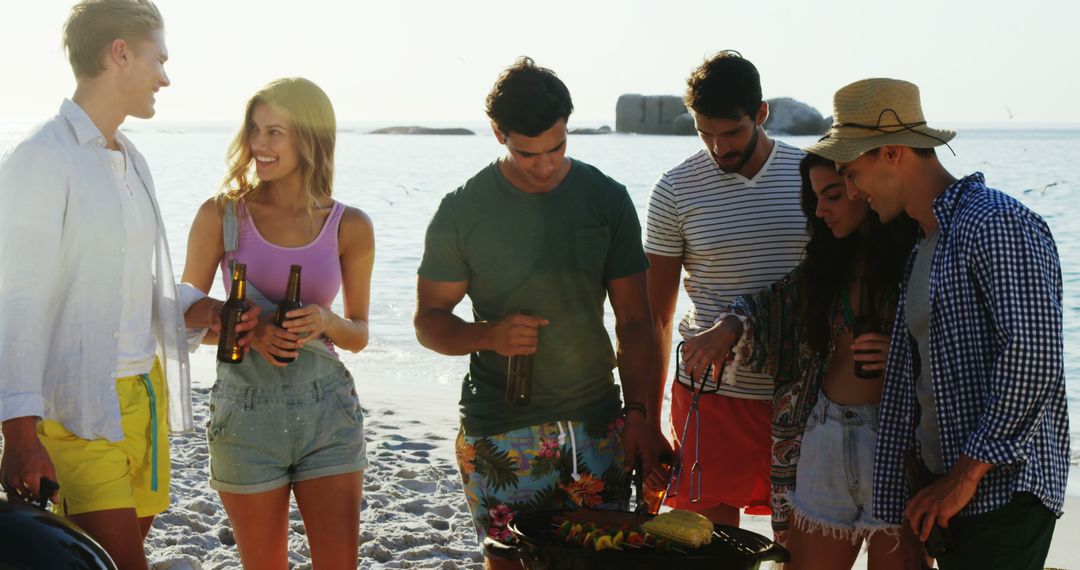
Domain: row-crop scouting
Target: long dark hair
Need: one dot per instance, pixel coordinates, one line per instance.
(829, 263)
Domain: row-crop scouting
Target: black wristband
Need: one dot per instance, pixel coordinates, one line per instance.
(635, 407)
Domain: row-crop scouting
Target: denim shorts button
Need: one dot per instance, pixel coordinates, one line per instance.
(849, 414)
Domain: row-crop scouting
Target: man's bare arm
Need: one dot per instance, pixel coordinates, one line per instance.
(438, 328)
(663, 289)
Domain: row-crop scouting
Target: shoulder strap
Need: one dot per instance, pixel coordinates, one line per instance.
(336, 212)
(230, 230)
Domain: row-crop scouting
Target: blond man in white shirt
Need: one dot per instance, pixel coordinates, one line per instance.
(93, 350)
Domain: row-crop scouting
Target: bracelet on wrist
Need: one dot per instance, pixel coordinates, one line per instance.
(635, 407)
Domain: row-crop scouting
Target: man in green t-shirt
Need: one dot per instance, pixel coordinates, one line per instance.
(537, 241)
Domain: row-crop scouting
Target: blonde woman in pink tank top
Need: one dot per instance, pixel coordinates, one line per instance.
(287, 429)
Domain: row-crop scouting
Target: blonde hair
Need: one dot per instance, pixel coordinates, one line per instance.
(94, 24)
(311, 118)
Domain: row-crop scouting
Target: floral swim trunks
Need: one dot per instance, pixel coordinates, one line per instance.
(557, 465)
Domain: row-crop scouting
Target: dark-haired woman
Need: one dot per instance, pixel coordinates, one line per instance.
(803, 330)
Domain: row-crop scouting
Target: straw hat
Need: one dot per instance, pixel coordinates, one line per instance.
(875, 112)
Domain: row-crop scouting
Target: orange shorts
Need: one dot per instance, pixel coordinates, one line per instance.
(734, 457)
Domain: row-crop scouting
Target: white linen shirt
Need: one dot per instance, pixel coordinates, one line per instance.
(61, 282)
(137, 345)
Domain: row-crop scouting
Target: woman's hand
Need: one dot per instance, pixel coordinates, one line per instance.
(270, 341)
(711, 348)
(308, 323)
(872, 350)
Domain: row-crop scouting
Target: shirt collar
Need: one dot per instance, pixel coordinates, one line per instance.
(85, 129)
(944, 206)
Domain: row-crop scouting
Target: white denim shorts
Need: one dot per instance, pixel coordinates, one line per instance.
(834, 480)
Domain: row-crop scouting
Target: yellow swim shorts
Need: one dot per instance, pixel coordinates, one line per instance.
(99, 475)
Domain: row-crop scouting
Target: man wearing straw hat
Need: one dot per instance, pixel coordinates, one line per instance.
(974, 384)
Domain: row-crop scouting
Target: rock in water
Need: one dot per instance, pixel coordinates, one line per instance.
(604, 130)
(648, 114)
(421, 131)
(667, 115)
(791, 117)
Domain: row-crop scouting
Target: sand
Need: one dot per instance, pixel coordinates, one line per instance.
(414, 514)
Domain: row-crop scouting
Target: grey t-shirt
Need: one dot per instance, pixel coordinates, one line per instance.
(917, 311)
(553, 254)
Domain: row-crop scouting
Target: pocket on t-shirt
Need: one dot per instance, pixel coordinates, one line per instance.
(592, 249)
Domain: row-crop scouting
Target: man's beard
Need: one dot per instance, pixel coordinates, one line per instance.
(747, 153)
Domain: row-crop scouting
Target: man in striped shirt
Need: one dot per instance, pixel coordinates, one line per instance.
(975, 383)
(729, 215)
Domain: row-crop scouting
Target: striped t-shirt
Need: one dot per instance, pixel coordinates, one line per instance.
(735, 236)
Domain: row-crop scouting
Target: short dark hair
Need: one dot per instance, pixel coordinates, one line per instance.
(726, 86)
(528, 99)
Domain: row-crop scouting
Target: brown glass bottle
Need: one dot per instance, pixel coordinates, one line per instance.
(229, 351)
(865, 322)
(291, 302)
(519, 374)
(651, 499)
(919, 477)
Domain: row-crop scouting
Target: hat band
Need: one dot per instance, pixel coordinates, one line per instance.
(879, 127)
(898, 127)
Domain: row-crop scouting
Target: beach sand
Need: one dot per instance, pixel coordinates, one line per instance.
(414, 514)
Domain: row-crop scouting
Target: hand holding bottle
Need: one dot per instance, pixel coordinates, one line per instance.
(515, 334)
(866, 332)
(519, 369)
(308, 323)
(230, 349)
(277, 345)
(871, 352)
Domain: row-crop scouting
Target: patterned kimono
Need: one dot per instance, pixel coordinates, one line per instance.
(773, 347)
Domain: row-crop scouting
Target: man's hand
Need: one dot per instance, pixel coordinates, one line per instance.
(248, 321)
(25, 460)
(515, 334)
(207, 314)
(939, 501)
(640, 438)
(711, 347)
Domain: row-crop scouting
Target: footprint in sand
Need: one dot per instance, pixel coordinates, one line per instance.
(225, 535)
(439, 524)
(203, 506)
(424, 487)
(408, 446)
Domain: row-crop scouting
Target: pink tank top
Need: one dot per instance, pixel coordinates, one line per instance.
(268, 264)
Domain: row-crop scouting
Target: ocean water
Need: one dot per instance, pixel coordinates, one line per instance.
(399, 179)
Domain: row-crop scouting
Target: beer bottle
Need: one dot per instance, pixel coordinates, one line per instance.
(228, 351)
(650, 499)
(289, 303)
(519, 372)
(919, 476)
(865, 322)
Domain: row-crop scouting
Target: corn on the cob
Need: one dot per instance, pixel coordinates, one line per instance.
(681, 526)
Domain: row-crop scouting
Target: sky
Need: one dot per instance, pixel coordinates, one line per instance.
(433, 62)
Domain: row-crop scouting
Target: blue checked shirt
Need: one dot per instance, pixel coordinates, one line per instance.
(995, 356)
